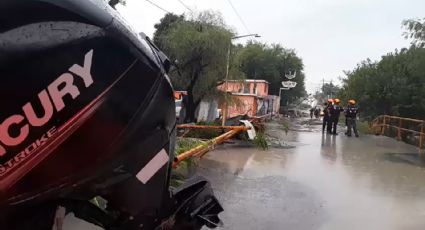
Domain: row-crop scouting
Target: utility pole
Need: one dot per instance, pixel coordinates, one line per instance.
(323, 89)
(226, 86)
(224, 112)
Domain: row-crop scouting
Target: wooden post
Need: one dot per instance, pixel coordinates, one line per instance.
(399, 129)
(383, 126)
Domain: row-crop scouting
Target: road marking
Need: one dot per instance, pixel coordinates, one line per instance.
(154, 165)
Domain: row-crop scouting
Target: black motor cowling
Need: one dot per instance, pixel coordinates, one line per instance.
(87, 112)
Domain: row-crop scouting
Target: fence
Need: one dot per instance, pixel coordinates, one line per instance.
(404, 129)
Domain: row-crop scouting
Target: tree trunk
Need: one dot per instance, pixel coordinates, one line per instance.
(191, 107)
(191, 104)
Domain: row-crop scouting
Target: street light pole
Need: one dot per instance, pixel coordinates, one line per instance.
(224, 113)
(248, 35)
(223, 120)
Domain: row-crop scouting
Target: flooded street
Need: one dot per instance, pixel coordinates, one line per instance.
(323, 182)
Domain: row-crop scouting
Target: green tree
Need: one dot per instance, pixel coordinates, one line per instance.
(161, 28)
(199, 46)
(328, 90)
(271, 63)
(395, 85)
(415, 29)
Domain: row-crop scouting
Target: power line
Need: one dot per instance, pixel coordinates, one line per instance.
(185, 6)
(239, 16)
(158, 6)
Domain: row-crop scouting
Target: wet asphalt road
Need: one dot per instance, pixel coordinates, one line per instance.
(325, 182)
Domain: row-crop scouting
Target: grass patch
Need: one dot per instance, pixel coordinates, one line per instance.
(185, 144)
(364, 127)
(186, 167)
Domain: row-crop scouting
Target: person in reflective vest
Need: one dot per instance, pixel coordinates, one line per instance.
(335, 111)
(351, 115)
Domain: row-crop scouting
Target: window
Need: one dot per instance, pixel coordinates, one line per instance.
(246, 88)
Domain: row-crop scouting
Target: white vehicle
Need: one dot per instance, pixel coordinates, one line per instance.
(178, 107)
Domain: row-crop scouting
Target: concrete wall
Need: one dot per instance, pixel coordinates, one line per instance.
(262, 88)
(252, 96)
(248, 106)
(207, 110)
(274, 104)
(247, 87)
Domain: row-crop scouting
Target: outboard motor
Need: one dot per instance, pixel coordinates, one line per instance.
(87, 123)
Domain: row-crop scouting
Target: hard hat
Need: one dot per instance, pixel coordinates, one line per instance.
(336, 100)
(351, 102)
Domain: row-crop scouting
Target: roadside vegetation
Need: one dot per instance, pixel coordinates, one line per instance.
(394, 85)
(364, 127)
(260, 141)
(198, 46)
(186, 167)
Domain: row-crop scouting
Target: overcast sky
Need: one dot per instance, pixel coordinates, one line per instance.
(329, 35)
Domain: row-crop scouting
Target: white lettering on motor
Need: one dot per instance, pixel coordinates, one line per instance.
(47, 107)
(84, 72)
(57, 90)
(57, 94)
(30, 149)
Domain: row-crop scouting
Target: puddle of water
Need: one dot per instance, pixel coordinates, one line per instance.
(406, 158)
(356, 182)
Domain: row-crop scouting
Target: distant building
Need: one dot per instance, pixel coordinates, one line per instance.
(251, 97)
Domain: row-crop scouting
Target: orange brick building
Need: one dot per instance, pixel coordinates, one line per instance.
(252, 95)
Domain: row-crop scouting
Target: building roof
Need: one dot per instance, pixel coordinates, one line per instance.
(246, 94)
(251, 80)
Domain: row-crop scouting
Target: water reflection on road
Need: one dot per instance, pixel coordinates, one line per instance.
(325, 182)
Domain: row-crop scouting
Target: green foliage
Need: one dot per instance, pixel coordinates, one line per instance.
(271, 63)
(364, 127)
(260, 141)
(415, 29)
(328, 90)
(185, 144)
(200, 46)
(164, 25)
(185, 168)
(395, 85)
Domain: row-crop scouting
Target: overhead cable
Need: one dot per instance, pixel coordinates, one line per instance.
(154, 4)
(185, 6)
(239, 16)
